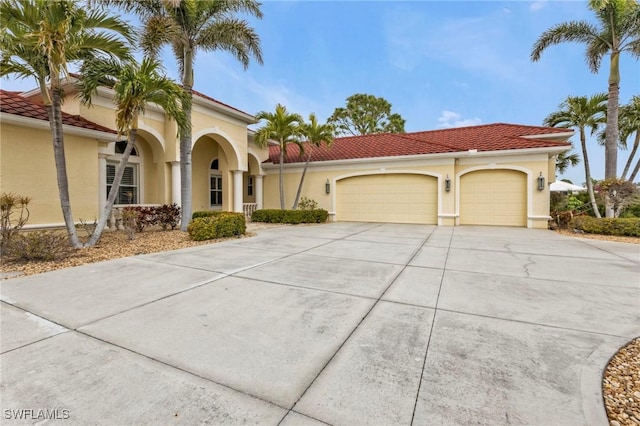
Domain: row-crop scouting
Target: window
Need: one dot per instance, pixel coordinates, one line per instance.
(122, 145)
(250, 186)
(128, 190)
(215, 185)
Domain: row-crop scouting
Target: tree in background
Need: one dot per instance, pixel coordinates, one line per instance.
(630, 125)
(189, 26)
(364, 115)
(135, 86)
(567, 159)
(618, 31)
(283, 127)
(582, 112)
(39, 38)
(315, 134)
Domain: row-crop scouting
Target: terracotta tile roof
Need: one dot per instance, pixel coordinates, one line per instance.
(489, 137)
(13, 103)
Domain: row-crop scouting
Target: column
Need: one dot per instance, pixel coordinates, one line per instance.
(175, 182)
(258, 181)
(237, 191)
(102, 182)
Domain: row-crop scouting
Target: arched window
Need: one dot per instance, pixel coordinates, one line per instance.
(215, 185)
(129, 190)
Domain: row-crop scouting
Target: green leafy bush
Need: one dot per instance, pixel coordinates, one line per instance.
(290, 216)
(629, 227)
(307, 204)
(207, 213)
(38, 245)
(220, 225)
(631, 211)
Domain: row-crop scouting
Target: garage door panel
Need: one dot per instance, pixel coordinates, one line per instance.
(400, 198)
(493, 197)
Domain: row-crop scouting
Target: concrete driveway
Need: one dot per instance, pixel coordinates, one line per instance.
(343, 323)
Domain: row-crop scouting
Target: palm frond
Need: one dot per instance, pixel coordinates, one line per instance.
(233, 35)
(574, 31)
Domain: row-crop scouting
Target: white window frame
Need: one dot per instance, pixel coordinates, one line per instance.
(216, 173)
(134, 161)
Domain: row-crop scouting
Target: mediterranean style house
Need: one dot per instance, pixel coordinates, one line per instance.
(497, 174)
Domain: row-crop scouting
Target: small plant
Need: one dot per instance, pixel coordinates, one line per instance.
(168, 216)
(221, 225)
(307, 204)
(14, 214)
(128, 217)
(39, 245)
(89, 228)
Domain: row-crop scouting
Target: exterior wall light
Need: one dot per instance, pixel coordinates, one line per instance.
(447, 184)
(540, 182)
(327, 187)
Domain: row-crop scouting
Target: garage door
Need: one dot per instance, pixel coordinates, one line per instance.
(493, 197)
(396, 198)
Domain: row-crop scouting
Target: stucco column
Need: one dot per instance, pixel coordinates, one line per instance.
(258, 180)
(237, 191)
(175, 182)
(102, 182)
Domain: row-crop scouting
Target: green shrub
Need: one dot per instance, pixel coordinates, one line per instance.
(168, 216)
(631, 211)
(629, 227)
(14, 214)
(290, 216)
(207, 213)
(220, 225)
(38, 245)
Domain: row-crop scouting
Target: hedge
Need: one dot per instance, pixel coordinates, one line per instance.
(290, 216)
(207, 213)
(218, 225)
(629, 227)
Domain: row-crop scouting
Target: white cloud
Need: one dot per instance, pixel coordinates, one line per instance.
(450, 119)
(537, 5)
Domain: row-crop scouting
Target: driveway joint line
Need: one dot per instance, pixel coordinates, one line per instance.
(586, 242)
(433, 322)
(377, 301)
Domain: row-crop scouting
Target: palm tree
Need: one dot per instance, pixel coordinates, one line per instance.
(630, 124)
(316, 134)
(582, 112)
(567, 159)
(284, 128)
(39, 38)
(618, 31)
(189, 26)
(135, 86)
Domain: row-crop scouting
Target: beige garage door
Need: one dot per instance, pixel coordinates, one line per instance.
(493, 197)
(396, 198)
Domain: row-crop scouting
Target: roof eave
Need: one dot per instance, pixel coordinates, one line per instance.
(36, 123)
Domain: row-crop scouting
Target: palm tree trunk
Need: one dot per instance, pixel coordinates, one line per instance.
(611, 144)
(635, 171)
(55, 122)
(281, 176)
(304, 172)
(587, 173)
(97, 233)
(632, 154)
(186, 183)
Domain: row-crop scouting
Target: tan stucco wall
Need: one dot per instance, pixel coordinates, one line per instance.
(317, 175)
(28, 168)
(205, 151)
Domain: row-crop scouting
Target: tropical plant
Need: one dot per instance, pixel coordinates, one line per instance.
(582, 113)
(630, 125)
(283, 127)
(618, 31)
(567, 159)
(364, 115)
(39, 38)
(189, 26)
(316, 134)
(135, 86)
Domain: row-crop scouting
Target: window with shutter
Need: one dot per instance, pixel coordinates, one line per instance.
(128, 190)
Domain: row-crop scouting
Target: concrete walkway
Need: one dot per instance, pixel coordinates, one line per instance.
(344, 323)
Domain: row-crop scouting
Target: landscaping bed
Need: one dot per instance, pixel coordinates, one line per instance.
(621, 386)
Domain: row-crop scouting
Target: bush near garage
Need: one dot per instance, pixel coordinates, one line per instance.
(290, 216)
(217, 225)
(629, 227)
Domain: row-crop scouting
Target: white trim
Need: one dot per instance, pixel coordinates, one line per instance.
(36, 123)
(138, 160)
(237, 190)
(383, 171)
(526, 171)
(217, 173)
(558, 136)
(216, 131)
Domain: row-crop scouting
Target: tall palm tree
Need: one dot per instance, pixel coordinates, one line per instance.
(284, 128)
(582, 112)
(135, 86)
(189, 26)
(567, 159)
(315, 134)
(630, 124)
(39, 38)
(618, 31)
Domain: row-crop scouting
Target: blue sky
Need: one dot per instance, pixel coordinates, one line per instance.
(439, 63)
